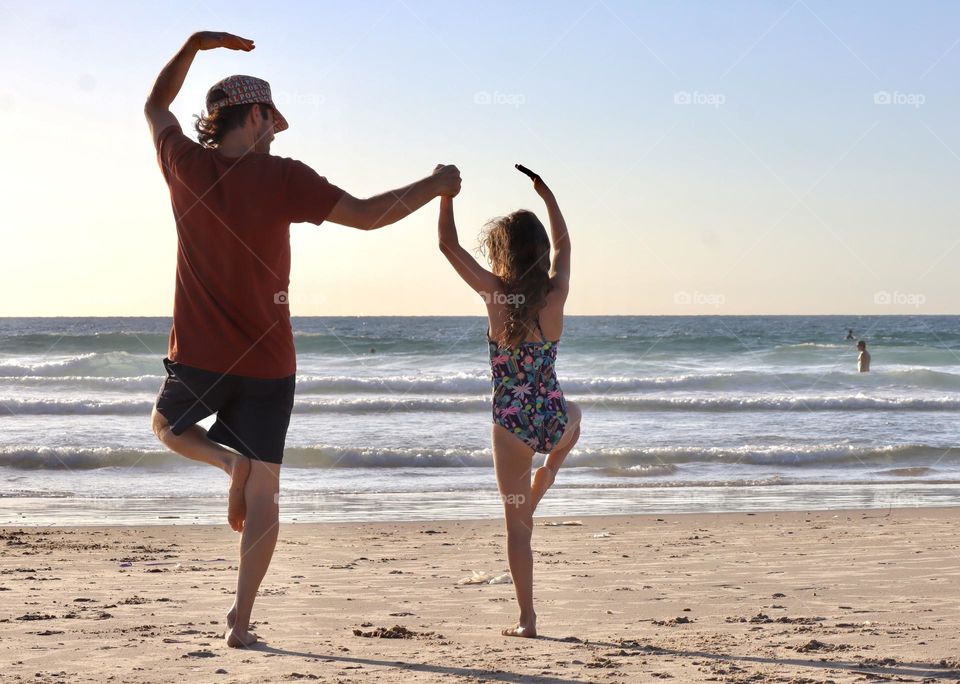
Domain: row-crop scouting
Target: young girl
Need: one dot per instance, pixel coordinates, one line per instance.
(524, 295)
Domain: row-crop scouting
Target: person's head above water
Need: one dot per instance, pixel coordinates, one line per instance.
(861, 345)
(518, 249)
(241, 107)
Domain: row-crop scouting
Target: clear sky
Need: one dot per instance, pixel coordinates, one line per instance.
(774, 156)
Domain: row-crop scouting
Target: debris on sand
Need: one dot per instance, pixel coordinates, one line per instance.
(482, 577)
(814, 645)
(763, 619)
(395, 632)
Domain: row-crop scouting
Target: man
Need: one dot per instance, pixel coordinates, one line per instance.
(863, 359)
(231, 348)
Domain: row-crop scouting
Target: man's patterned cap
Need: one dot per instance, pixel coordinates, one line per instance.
(244, 90)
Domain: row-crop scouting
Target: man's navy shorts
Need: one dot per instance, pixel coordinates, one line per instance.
(252, 413)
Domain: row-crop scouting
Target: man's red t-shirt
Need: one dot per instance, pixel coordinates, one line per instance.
(233, 215)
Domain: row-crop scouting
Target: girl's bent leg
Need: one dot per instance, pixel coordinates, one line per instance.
(545, 475)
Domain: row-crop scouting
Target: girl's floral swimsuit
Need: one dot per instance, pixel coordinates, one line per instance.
(527, 399)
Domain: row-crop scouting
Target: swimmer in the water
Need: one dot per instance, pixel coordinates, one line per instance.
(863, 360)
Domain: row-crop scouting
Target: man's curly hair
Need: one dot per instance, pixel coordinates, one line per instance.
(212, 128)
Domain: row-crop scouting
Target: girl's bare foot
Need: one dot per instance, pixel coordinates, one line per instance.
(236, 505)
(237, 638)
(542, 481)
(524, 629)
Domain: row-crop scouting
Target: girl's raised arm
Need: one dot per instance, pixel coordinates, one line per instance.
(476, 276)
(560, 260)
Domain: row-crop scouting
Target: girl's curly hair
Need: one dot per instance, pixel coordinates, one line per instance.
(518, 249)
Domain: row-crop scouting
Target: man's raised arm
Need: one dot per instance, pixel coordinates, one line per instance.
(170, 80)
(389, 207)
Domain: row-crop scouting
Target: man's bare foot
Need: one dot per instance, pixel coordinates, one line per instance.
(236, 504)
(522, 630)
(232, 617)
(240, 638)
(542, 481)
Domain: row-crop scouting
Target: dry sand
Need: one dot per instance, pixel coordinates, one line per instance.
(848, 596)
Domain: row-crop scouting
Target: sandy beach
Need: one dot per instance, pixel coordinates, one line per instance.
(842, 596)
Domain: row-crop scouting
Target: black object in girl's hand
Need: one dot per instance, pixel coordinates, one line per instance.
(523, 169)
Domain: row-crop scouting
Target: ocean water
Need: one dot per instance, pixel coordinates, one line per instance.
(392, 419)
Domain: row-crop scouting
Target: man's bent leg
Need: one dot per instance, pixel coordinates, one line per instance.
(193, 444)
(256, 546)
